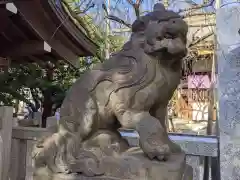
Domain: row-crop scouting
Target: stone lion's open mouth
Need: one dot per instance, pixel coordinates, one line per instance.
(171, 44)
(170, 47)
(169, 35)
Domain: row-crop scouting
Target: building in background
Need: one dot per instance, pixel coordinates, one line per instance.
(194, 92)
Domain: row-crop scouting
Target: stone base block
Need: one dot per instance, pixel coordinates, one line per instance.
(131, 165)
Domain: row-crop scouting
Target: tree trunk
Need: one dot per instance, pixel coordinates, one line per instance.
(16, 108)
(47, 101)
(47, 107)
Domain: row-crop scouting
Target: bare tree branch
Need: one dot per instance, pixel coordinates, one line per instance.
(200, 39)
(105, 8)
(130, 2)
(204, 25)
(197, 14)
(118, 20)
(89, 6)
(136, 6)
(197, 7)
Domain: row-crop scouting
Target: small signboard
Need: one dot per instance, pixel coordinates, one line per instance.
(199, 82)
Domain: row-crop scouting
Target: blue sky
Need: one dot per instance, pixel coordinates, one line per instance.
(123, 10)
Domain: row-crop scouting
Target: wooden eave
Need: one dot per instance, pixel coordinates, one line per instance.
(61, 17)
(41, 31)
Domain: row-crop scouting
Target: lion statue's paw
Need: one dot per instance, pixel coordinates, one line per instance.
(155, 149)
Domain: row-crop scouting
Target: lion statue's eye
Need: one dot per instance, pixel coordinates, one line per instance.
(162, 20)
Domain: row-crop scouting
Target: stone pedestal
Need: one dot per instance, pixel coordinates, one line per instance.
(131, 165)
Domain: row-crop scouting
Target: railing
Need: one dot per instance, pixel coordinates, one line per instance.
(23, 139)
(196, 147)
(191, 144)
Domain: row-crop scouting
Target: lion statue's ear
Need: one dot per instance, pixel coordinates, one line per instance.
(159, 7)
(141, 23)
(138, 25)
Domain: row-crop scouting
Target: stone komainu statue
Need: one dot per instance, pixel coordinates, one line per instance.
(129, 90)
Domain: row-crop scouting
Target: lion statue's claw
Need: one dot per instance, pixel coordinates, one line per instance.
(158, 151)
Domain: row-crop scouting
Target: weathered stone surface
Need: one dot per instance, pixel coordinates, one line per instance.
(132, 165)
(228, 18)
(129, 90)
